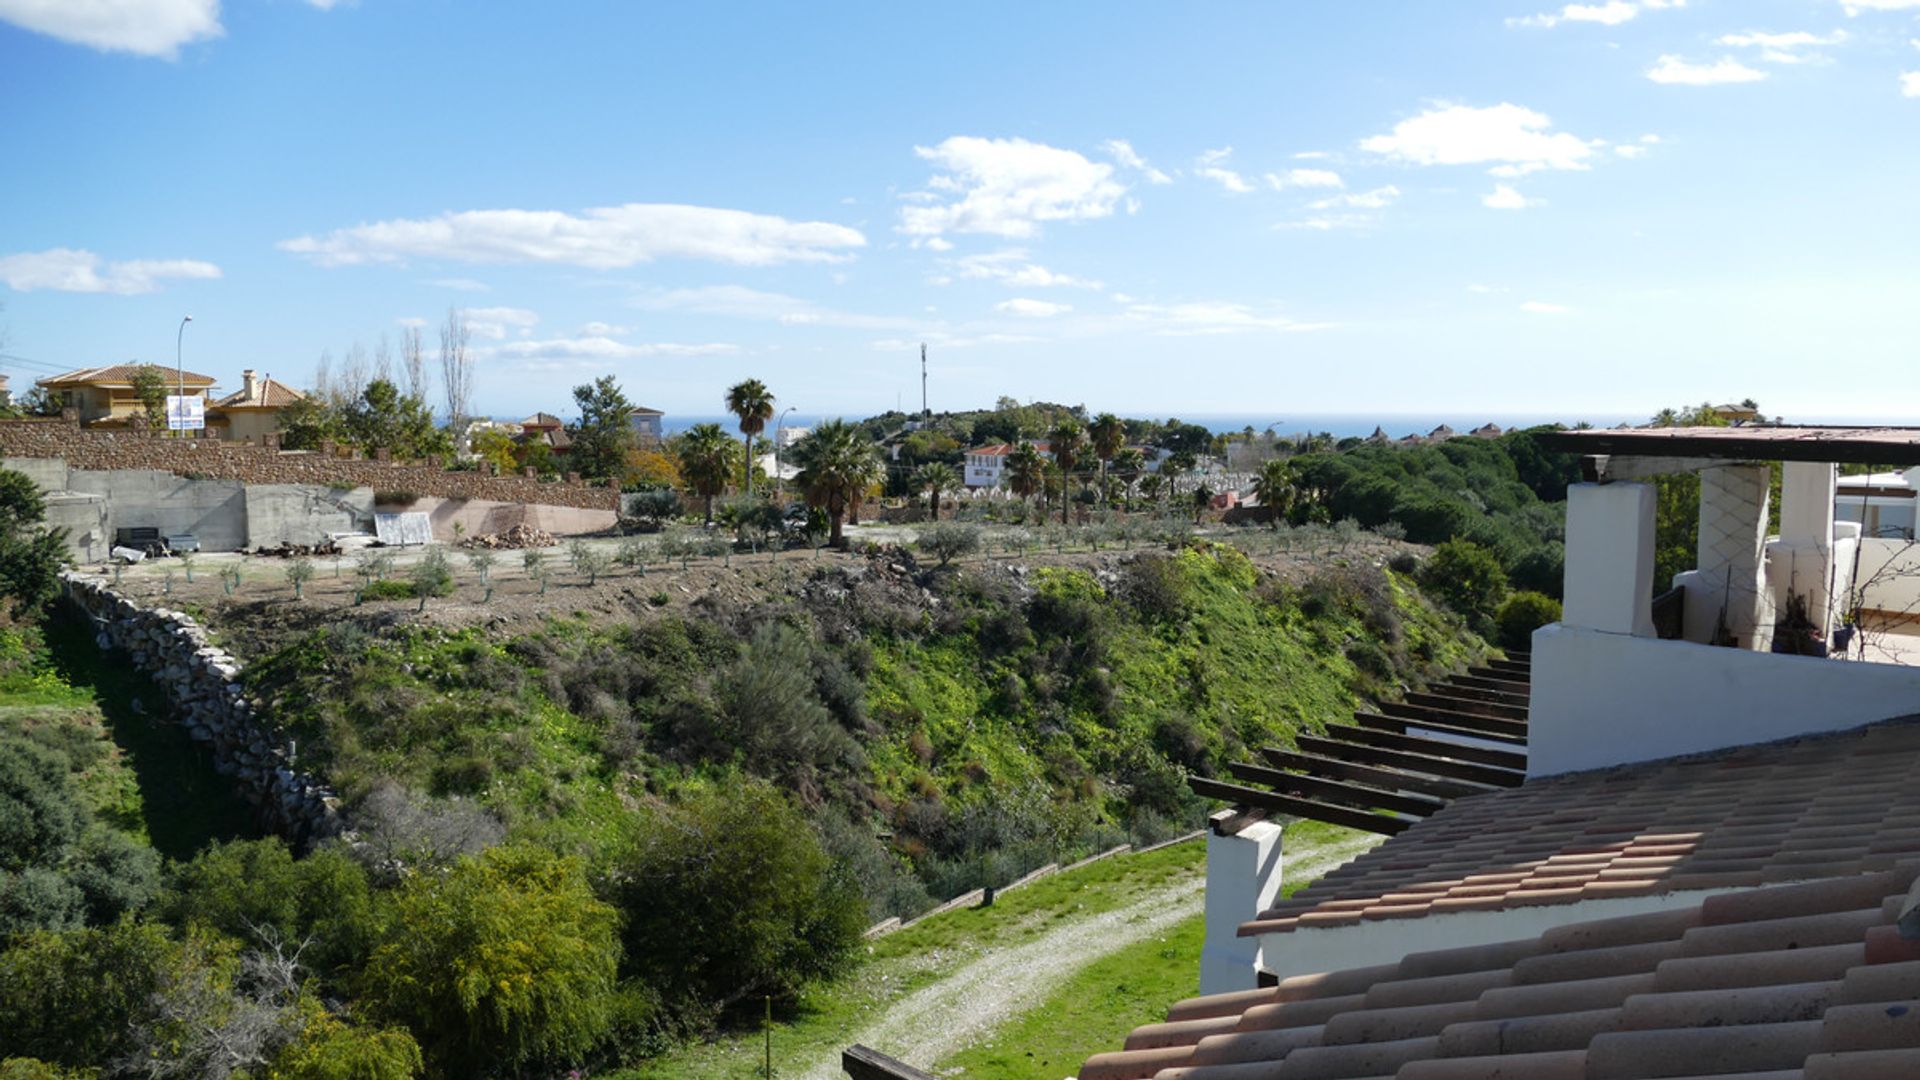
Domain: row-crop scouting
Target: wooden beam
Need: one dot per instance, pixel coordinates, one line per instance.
(1404, 726)
(1371, 775)
(864, 1063)
(1456, 703)
(1336, 792)
(1488, 726)
(1419, 764)
(1385, 824)
(1845, 446)
(1418, 744)
(1512, 689)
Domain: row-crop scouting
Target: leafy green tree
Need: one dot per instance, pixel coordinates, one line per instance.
(949, 540)
(40, 814)
(1026, 471)
(1522, 614)
(935, 478)
(1467, 578)
(307, 422)
(150, 386)
(752, 402)
(504, 963)
(328, 1048)
(837, 466)
(1274, 487)
(706, 454)
(31, 555)
(1066, 441)
(1108, 434)
(774, 911)
(384, 417)
(604, 432)
(245, 887)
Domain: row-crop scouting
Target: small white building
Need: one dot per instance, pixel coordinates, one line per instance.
(1882, 504)
(987, 465)
(646, 423)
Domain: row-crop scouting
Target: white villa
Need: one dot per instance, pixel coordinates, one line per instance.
(987, 465)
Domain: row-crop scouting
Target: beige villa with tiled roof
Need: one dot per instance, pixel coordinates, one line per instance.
(251, 413)
(104, 396)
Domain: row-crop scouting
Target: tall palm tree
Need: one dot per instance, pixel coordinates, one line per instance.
(1026, 471)
(837, 466)
(934, 478)
(706, 459)
(1128, 464)
(752, 402)
(1275, 489)
(1109, 434)
(1067, 439)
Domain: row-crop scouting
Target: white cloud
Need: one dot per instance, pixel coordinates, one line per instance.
(1910, 84)
(1541, 307)
(1607, 13)
(604, 238)
(1795, 47)
(70, 270)
(1378, 199)
(1855, 7)
(1679, 71)
(414, 321)
(1312, 155)
(1629, 150)
(1226, 178)
(494, 322)
(566, 354)
(1008, 187)
(1305, 178)
(459, 283)
(1330, 222)
(1016, 270)
(142, 27)
(1514, 139)
(1122, 151)
(1211, 317)
(1032, 309)
(1650, 140)
(601, 329)
(1506, 197)
(740, 302)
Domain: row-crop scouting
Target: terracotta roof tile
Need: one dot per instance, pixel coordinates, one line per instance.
(1805, 980)
(1807, 809)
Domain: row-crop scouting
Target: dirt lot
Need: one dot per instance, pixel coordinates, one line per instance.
(261, 609)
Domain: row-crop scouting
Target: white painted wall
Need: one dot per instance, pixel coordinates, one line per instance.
(1603, 699)
(1889, 575)
(1243, 880)
(1609, 561)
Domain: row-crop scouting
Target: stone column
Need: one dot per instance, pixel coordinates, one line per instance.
(1609, 563)
(1802, 562)
(1727, 597)
(1243, 880)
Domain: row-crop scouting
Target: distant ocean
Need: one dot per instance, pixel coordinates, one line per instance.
(1339, 425)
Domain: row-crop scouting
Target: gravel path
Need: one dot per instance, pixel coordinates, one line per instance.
(947, 1016)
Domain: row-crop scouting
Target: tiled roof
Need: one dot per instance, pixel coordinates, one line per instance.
(1753, 815)
(1003, 449)
(541, 420)
(122, 375)
(267, 394)
(1813, 981)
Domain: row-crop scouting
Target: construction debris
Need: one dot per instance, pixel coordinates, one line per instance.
(520, 536)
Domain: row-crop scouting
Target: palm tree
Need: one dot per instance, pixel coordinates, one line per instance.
(837, 466)
(933, 478)
(1128, 464)
(1067, 439)
(1275, 489)
(752, 402)
(1202, 498)
(706, 457)
(1109, 434)
(1026, 471)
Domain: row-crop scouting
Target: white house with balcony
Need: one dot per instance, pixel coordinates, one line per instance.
(986, 466)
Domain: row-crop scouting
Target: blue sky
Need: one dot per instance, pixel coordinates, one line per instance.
(1305, 207)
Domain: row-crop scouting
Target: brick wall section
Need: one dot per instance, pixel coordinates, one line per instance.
(215, 460)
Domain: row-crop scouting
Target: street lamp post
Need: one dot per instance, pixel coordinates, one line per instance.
(779, 481)
(180, 376)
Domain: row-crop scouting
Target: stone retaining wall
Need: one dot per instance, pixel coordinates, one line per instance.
(212, 459)
(205, 695)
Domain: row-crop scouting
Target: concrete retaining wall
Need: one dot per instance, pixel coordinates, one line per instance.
(207, 697)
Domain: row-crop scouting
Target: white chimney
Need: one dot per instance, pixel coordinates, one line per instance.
(247, 375)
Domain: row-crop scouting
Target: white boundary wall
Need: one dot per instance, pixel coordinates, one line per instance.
(1243, 880)
(1603, 699)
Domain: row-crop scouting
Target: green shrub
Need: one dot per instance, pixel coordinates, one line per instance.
(738, 863)
(504, 964)
(949, 540)
(245, 888)
(71, 998)
(1522, 614)
(1467, 578)
(389, 589)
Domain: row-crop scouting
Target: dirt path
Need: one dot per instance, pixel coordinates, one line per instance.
(945, 1017)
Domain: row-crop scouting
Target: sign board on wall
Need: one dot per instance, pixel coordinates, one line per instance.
(402, 530)
(187, 413)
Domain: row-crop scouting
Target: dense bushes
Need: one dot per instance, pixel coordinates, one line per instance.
(1522, 614)
(1467, 578)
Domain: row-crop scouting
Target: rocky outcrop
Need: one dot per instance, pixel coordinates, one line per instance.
(207, 697)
